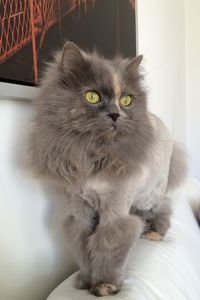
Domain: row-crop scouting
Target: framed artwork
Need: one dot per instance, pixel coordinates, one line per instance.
(32, 30)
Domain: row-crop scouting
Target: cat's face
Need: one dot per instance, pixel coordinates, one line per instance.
(91, 116)
(89, 94)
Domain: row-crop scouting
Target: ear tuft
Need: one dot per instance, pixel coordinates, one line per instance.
(135, 62)
(71, 56)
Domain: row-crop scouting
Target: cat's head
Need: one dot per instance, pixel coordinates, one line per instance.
(91, 94)
(89, 104)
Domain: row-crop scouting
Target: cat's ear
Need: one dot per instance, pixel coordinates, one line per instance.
(71, 56)
(135, 62)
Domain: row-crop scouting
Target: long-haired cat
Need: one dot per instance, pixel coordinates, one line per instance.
(94, 136)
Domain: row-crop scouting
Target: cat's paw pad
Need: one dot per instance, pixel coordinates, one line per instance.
(104, 289)
(153, 236)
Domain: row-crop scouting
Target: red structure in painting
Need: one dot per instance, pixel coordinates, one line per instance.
(21, 21)
(132, 2)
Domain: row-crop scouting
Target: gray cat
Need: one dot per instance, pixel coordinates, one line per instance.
(94, 136)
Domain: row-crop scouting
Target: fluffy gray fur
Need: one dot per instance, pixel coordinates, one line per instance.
(115, 173)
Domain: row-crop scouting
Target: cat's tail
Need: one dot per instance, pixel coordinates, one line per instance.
(177, 168)
(177, 174)
(195, 205)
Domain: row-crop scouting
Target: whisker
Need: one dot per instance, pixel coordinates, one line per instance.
(88, 144)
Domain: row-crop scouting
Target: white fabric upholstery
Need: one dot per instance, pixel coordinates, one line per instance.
(166, 270)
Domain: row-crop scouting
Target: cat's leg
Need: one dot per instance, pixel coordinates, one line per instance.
(77, 238)
(159, 222)
(109, 248)
(80, 224)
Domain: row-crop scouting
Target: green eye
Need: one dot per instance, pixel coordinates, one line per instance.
(126, 100)
(92, 97)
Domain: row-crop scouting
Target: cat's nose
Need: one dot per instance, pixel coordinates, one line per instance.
(114, 116)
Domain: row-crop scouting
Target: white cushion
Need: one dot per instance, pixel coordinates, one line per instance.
(164, 270)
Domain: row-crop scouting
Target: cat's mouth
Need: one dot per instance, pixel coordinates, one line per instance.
(112, 130)
(113, 126)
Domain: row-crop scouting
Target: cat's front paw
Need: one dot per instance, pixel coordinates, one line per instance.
(104, 289)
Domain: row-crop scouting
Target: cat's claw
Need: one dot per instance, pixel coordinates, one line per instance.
(104, 289)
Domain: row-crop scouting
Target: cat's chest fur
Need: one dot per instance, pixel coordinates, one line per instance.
(141, 190)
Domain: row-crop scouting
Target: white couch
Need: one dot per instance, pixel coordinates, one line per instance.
(166, 270)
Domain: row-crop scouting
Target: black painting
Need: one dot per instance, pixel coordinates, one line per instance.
(32, 30)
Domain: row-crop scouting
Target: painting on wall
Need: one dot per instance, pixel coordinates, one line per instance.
(32, 30)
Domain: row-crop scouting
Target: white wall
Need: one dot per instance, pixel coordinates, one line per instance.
(161, 40)
(192, 44)
(169, 38)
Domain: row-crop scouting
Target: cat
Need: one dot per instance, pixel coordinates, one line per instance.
(115, 161)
